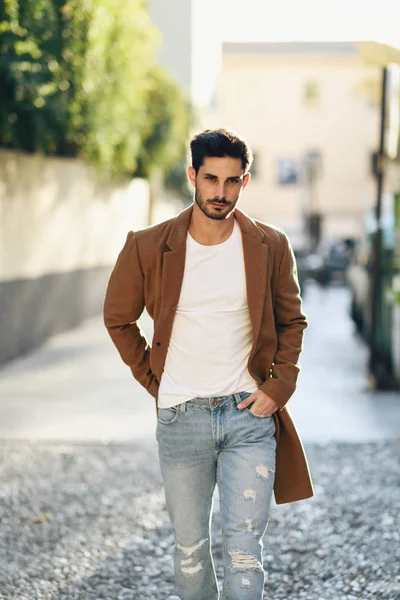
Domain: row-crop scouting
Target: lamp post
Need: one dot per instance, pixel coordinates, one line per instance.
(376, 365)
(380, 361)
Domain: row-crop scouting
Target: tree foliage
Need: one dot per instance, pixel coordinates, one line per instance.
(79, 78)
(165, 131)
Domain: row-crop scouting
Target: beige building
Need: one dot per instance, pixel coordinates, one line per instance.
(297, 103)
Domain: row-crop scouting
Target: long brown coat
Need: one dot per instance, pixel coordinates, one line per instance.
(149, 272)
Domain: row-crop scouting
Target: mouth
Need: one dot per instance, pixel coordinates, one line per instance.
(218, 204)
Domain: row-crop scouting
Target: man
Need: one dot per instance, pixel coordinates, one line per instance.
(222, 289)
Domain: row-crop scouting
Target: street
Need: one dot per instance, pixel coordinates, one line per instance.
(82, 503)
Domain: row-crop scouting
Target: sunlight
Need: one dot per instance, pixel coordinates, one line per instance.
(300, 20)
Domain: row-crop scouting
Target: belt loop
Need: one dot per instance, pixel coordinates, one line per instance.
(182, 407)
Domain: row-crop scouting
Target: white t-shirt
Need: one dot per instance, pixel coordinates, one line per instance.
(211, 334)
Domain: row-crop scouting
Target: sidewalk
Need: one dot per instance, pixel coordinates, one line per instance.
(332, 402)
(77, 388)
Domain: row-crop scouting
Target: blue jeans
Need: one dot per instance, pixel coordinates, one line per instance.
(201, 443)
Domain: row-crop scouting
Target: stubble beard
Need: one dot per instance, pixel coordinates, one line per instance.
(209, 211)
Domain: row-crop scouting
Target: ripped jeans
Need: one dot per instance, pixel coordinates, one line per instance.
(201, 443)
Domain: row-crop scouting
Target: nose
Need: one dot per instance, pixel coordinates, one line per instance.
(220, 191)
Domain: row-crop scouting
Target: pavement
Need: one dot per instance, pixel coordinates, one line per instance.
(75, 387)
(90, 522)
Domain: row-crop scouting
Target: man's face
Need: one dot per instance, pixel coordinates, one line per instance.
(218, 185)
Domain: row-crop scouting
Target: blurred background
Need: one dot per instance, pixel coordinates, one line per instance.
(98, 100)
(98, 103)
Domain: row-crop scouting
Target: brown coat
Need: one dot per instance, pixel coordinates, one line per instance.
(148, 273)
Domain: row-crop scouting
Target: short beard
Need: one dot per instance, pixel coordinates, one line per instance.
(202, 204)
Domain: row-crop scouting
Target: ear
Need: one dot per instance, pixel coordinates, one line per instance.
(246, 179)
(191, 173)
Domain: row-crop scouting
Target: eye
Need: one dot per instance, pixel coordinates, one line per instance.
(210, 177)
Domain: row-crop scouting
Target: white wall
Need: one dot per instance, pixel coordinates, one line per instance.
(174, 20)
(56, 215)
(206, 52)
(191, 49)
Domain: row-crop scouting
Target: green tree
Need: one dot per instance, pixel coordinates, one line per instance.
(79, 78)
(166, 128)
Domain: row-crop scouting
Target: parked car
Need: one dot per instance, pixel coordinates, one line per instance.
(359, 282)
(301, 269)
(330, 260)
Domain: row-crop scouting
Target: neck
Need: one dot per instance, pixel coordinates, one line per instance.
(209, 232)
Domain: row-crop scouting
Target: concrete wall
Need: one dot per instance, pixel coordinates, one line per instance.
(174, 20)
(61, 229)
(191, 48)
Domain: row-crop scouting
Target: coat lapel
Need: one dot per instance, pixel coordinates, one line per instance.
(174, 263)
(255, 262)
(173, 267)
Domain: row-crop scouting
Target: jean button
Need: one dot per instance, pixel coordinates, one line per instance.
(216, 402)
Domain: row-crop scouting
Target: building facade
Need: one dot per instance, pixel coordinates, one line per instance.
(310, 111)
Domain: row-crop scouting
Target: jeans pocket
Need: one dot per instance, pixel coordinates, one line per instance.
(254, 415)
(243, 396)
(168, 415)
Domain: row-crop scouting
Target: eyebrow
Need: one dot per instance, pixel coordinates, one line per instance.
(232, 176)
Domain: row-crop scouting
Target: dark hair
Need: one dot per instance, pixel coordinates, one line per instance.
(219, 142)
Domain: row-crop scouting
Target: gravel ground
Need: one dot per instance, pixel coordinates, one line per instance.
(88, 522)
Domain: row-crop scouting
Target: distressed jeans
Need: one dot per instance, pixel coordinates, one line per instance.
(201, 443)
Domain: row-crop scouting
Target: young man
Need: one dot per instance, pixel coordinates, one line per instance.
(222, 289)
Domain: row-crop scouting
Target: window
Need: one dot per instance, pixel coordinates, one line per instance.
(288, 171)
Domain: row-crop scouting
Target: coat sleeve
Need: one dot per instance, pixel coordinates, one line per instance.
(290, 322)
(123, 305)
